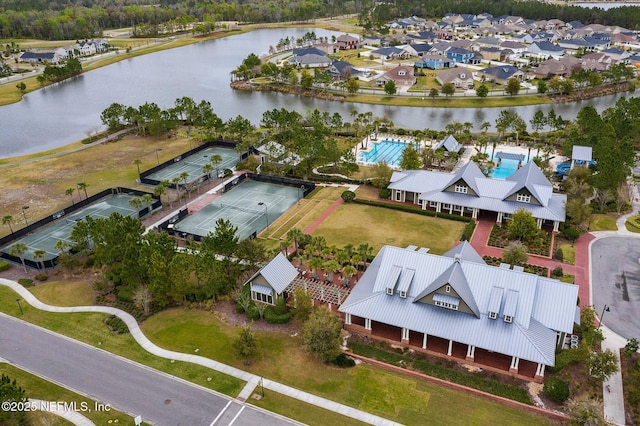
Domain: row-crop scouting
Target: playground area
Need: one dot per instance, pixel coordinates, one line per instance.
(193, 165)
(251, 206)
(46, 237)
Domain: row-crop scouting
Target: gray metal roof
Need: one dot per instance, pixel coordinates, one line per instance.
(510, 304)
(543, 305)
(495, 300)
(449, 143)
(262, 289)
(582, 153)
(491, 192)
(278, 273)
(405, 280)
(466, 252)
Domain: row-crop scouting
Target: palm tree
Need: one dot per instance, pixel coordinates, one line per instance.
(39, 255)
(61, 246)
(342, 257)
(295, 235)
(314, 265)
(18, 250)
(83, 186)
(183, 177)
(175, 181)
(365, 250)
(147, 199)
(216, 159)
(69, 192)
(207, 169)
(330, 267)
(137, 162)
(348, 271)
(161, 190)
(6, 220)
(136, 202)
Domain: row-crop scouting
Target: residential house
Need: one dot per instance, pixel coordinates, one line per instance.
(616, 54)
(461, 78)
(545, 50)
(500, 74)
(468, 192)
(347, 42)
(458, 307)
(390, 53)
(514, 46)
(271, 280)
(371, 40)
(402, 75)
(562, 67)
(310, 61)
(491, 53)
(343, 70)
(596, 61)
(41, 57)
(462, 56)
(417, 49)
(434, 62)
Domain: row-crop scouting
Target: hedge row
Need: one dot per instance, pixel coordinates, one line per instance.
(442, 372)
(4, 265)
(416, 210)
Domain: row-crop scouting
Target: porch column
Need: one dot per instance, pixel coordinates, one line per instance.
(539, 223)
(450, 350)
(471, 353)
(499, 218)
(462, 210)
(540, 370)
(439, 208)
(474, 215)
(367, 324)
(450, 208)
(423, 203)
(513, 368)
(347, 319)
(556, 225)
(416, 198)
(405, 335)
(424, 341)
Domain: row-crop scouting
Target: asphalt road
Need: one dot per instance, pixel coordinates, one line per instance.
(615, 278)
(124, 385)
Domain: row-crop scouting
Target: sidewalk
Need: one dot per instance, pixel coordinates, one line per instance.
(251, 379)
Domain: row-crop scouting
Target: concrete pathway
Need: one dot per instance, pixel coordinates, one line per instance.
(69, 414)
(612, 392)
(251, 379)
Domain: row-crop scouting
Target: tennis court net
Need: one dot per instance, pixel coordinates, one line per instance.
(242, 209)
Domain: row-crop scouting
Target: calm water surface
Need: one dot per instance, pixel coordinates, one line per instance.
(63, 113)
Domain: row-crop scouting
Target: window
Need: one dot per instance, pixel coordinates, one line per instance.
(402, 73)
(524, 198)
(463, 75)
(398, 196)
(403, 294)
(389, 291)
(493, 315)
(508, 318)
(433, 204)
(447, 288)
(446, 206)
(461, 189)
(265, 298)
(446, 305)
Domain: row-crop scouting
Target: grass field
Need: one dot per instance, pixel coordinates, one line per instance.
(568, 253)
(602, 222)
(282, 358)
(356, 224)
(64, 293)
(90, 328)
(38, 388)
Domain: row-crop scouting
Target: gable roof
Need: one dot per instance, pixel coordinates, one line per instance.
(531, 177)
(582, 153)
(540, 306)
(503, 72)
(468, 173)
(309, 51)
(449, 143)
(279, 273)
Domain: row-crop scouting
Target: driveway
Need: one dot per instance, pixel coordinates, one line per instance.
(615, 273)
(126, 386)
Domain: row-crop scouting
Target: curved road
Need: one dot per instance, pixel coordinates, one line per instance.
(125, 385)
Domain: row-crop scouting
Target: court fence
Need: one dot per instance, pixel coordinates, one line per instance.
(308, 186)
(146, 180)
(16, 235)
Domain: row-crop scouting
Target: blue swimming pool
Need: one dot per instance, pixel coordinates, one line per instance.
(507, 166)
(386, 150)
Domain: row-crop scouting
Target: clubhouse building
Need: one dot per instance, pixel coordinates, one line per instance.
(468, 192)
(458, 307)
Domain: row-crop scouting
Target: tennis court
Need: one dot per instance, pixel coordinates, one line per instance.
(250, 206)
(192, 165)
(45, 238)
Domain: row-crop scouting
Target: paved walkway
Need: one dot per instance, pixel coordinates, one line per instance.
(251, 379)
(69, 414)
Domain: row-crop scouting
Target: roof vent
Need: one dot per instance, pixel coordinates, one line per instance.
(457, 257)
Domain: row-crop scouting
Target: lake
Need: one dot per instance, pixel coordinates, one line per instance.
(63, 113)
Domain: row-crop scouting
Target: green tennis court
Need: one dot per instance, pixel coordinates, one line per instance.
(45, 238)
(192, 165)
(250, 206)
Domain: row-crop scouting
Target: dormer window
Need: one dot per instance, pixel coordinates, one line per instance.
(390, 291)
(523, 198)
(402, 73)
(461, 189)
(403, 294)
(508, 318)
(463, 76)
(447, 288)
(493, 315)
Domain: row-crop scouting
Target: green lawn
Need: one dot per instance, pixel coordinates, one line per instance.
(282, 358)
(38, 388)
(90, 328)
(377, 226)
(65, 293)
(568, 253)
(602, 222)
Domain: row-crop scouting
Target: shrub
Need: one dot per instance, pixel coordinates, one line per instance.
(557, 271)
(4, 265)
(410, 209)
(556, 389)
(228, 172)
(116, 325)
(344, 361)
(41, 276)
(280, 307)
(559, 255)
(272, 317)
(348, 196)
(384, 194)
(25, 282)
(468, 231)
(253, 313)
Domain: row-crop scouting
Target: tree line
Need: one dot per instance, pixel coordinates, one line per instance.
(68, 20)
